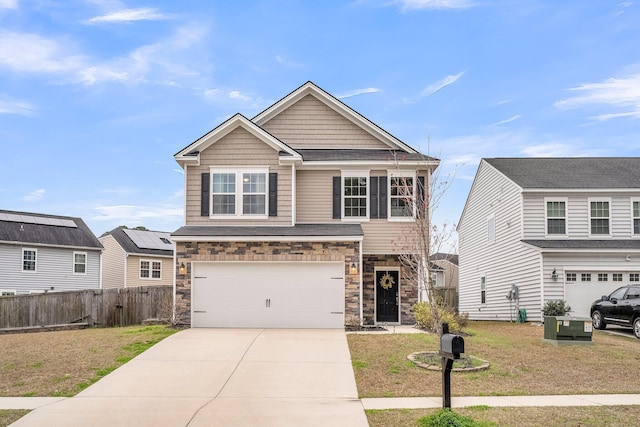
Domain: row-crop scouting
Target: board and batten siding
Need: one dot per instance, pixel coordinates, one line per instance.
(310, 123)
(503, 262)
(224, 154)
(578, 224)
(113, 260)
(54, 269)
(133, 271)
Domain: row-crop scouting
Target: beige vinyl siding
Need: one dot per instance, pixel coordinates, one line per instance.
(314, 198)
(113, 259)
(309, 123)
(225, 153)
(385, 237)
(578, 224)
(505, 261)
(133, 271)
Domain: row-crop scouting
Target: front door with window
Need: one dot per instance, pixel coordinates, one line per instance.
(387, 296)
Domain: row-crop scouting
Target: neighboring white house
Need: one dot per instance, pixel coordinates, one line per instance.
(550, 229)
(137, 258)
(46, 253)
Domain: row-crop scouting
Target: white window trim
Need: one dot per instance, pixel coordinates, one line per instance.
(238, 194)
(355, 174)
(633, 235)
(73, 263)
(483, 288)
(566, 216)
(491, 219)
(599, 199)
(401, 174)
(150, 261)
(7, 292)
(22, 261)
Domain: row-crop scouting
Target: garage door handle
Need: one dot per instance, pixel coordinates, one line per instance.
(199, 311)
(337, 312)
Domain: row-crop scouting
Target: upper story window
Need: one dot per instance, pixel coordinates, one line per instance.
(29, 259)
(79, 263)
(355, 191)
(556, 217)
(491, 229)
(150, 269)
(599, 217)
(636, 217)
(238, 193)
(402, 191)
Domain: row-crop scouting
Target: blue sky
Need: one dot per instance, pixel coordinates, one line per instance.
(96, 96)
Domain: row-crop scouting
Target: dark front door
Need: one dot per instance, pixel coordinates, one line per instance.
(387, 296)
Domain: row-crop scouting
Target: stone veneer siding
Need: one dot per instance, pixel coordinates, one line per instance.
(408, 288)
(347, 252)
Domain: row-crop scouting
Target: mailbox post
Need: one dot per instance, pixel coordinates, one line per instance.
(451, 346)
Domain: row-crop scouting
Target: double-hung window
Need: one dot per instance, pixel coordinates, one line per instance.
(150, 269)
(355, 195)
(402, 193)
(556, 217)
(237, 193)
(29, 257)
(636, 217)
(599, 217)
(79, 263)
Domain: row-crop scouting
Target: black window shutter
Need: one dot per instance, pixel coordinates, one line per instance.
(337, 199)
(204, 195)
(382, 197)
(273, 194)
(373, 200)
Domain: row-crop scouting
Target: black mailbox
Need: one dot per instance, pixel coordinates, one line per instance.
(451, 345)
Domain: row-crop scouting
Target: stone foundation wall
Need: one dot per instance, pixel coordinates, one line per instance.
(408, 288)
(187, 252)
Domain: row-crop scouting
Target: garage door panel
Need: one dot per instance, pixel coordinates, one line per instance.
(272, 295)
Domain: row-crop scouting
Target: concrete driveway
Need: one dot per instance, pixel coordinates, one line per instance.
(222, 377)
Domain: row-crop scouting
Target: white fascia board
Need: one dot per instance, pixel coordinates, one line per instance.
(581, 190)
(366, 164)
(579, 251)
(268, 238)
(338, 106)
(148, 255)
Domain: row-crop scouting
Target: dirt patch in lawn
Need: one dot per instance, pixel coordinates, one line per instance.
(63, 363)
(521, 364)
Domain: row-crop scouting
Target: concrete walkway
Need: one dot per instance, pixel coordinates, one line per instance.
(226, 377)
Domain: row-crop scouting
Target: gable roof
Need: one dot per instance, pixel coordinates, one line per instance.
(141, 242)
(46, 230)
(191, 153)
(571, 172)
(440, 256)
(309, 88)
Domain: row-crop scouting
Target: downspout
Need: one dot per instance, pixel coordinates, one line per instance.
(541, 268)
(126, 268)
(100, 259)
(293, 195)
(361, 290)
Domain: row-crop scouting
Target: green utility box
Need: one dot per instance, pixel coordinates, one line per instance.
(566, 330)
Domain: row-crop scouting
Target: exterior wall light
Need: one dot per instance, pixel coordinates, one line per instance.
(554, 275)
(183, 269)
(353, 269)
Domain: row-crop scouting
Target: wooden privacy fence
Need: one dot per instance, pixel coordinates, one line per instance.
(95, 307)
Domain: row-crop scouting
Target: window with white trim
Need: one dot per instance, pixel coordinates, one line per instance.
(571, 277)
(556, 212)
(483, 290)
(79, 263)
(7, 292)
(150, 269)
(29, 257)
(491, 229)
(636, 217)
(237, 193)
(355, 195)
(402, 193)
(616, 277)
(599, 217)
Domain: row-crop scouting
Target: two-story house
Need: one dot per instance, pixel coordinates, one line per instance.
(47, 253)
(292, 219)
(135, 257)
(540, 229)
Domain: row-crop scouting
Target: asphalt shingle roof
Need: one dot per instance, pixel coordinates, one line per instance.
(300, 230)
(316, 155)
(571, 172)
(44, 234)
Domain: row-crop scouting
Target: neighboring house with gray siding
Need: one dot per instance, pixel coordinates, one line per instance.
(293, 218)
(552, 228)
(445, 271)
(46, 253)
(137, 258)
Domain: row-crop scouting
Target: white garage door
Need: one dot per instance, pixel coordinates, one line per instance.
(579, 295)
(268, 295)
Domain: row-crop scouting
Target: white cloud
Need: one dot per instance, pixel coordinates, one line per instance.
(505, 121)
(236, 94)
(134, 214)
(10, 105)
(620, 93)
(129, 15)
(435, 87)
(34, 196)
(434, 4)
(357, 92)
(8, 4)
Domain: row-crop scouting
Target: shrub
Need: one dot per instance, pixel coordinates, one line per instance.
(555, 308)
(425, 320)
(448, 418)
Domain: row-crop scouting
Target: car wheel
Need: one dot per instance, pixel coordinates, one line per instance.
(598, 323)
(636, 327)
